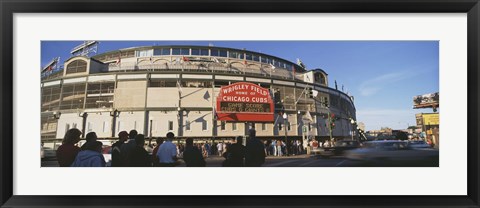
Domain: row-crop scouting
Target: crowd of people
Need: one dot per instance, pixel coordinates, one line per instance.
(130, 151)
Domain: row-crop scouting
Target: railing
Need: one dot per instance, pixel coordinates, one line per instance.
(207, 68)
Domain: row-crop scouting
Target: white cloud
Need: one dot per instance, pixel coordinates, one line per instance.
(374, 85)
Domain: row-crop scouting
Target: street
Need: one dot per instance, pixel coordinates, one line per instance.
(304, 161)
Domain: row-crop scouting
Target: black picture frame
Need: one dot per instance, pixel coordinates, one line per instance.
(10, 7)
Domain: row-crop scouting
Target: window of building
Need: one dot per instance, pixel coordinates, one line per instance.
(50, 98)
(266, 60)
(234, 126)
(161, 52)
(264, 126)
(255, 58)
(248, 56)
(204, 125)
(144, 53)
(162, 83)
(288, 66)
(309, 127)
(100, 88)
(288, 126)
(223, 53)
(77, 67)
(49, 124)
(170, 125)
(237, 55)
(99, 101)
(220, 83)
(73, 96)
(104, 129)
(222, 125)
(197, 84)
(187, 125)
(181, 51)
(199, 52)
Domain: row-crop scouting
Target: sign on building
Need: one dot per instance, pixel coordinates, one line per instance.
(426, 101)
(431, 119)
(244, 101)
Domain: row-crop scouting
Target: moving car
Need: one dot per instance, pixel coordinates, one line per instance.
(339, 148)
(418, 145)
(393, 153)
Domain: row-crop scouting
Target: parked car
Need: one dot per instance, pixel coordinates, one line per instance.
(47, 152)
(393, 153)
(339, 148)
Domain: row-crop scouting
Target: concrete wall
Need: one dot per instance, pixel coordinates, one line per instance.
(160, 120)
(128, 120)
(68, 121)
(229, 132)
(197, 97)
(158, 97)
(130, 94)
(267, 132)
(196, 119)
(100, 123)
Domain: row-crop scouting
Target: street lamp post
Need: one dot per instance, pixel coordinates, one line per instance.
(285, 127)
(353, 126)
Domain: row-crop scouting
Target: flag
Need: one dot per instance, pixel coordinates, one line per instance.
(300, 63)
(179, 86)
(273, 67)
(49, 68)
(245, 62)
(119, 60)
(308, 116)
(185, 59)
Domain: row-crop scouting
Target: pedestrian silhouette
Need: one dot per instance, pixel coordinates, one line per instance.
(91, 156)
(254, 152)
(139, 156)
(67, 152)
(192, 155)
(235, 154)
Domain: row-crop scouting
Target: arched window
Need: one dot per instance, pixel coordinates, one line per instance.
(77, 67)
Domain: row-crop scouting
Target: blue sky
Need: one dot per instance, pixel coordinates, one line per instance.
(383, 76)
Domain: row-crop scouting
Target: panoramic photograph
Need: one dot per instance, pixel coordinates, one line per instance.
(238, 103)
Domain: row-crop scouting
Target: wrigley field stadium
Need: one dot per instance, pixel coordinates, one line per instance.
(201, 92)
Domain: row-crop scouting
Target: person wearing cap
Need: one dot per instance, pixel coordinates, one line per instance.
(116, 147)
(90, 137)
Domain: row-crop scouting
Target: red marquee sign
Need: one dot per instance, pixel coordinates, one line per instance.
(244, 101)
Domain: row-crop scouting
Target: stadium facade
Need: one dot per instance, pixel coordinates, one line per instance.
(160, 89)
